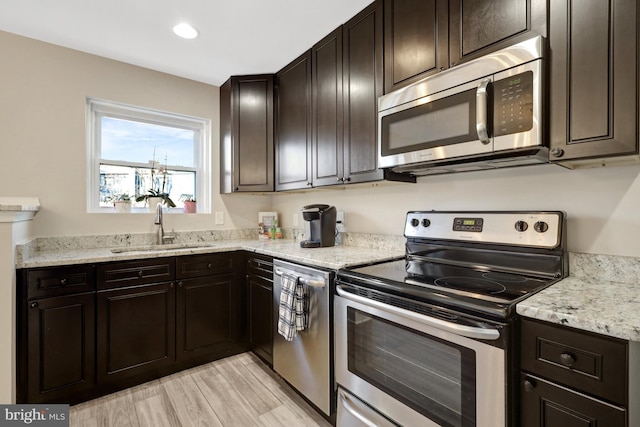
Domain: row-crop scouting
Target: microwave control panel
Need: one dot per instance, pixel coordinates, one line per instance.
(513, 104)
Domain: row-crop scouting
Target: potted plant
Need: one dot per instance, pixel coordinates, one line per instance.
(157, 193)
(190, 205)
(122, 203)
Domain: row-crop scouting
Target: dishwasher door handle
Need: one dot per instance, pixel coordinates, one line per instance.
(314, 282)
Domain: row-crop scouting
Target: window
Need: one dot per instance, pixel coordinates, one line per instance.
(138, 152)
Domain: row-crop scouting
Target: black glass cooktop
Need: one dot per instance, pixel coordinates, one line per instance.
(480, 289)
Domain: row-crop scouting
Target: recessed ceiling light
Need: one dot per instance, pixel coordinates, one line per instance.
(185, 31)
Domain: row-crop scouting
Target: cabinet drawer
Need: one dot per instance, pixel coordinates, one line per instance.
(49, 282)
(206, 265)
(133, 273)
(260, 265)
(543, 403)
(588, 362)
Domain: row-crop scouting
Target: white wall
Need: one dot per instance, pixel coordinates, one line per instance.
(43, 91)
(602, 205)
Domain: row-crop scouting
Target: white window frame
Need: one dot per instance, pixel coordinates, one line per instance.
(97, 108)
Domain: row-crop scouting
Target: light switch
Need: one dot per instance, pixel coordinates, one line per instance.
(219, 218)
(295, 219)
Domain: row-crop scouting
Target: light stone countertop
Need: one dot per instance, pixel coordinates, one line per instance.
(331, 257)
(601, 295)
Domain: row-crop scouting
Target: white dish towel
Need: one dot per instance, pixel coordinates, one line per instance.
(292, 313)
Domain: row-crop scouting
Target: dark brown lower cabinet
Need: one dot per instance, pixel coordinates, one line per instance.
(135, 330)
(205, 312)
(61, 347)
(545, 404)
(260, 316)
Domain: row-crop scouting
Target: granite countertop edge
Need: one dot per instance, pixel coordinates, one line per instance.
(335, 257)
(603, 307)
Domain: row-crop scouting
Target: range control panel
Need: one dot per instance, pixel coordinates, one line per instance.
(533, 229)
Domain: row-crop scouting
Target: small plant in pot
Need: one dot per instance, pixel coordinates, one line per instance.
(153, 197)
(122, 203)
(190, 205)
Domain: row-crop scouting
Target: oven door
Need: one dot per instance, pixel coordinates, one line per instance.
(450, 123)
(418, 370)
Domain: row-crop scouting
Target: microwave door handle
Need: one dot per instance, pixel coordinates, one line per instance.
(482, 105)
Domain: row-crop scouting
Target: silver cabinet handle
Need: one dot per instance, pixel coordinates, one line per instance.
(462, 330)
(306, 280)
(482, 104)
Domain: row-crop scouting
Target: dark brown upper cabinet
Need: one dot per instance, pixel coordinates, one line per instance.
(327, 138)
(346, 80)
(293, 125)
(415, 40)
(362, 84)
(426, 37)
(246, 134)
(593, 86)
(477, 28)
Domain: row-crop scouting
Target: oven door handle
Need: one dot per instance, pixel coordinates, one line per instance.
(454, 328)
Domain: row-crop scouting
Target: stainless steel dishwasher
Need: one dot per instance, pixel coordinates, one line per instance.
(305, 362)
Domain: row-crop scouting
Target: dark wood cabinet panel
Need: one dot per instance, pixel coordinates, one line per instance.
(49, 282)
(593, 85)
(206, 317)
(415, 40)
(480, 27)
(61, 348)
(135, 331)
(207, 264)
(588, 362)
(259, 285)
(362, 85)
(246, 134)
(545, 404)
(133, 273)
(293, 125)
(327, 144)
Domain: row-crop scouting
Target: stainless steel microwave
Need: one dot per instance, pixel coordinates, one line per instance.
(486, 113)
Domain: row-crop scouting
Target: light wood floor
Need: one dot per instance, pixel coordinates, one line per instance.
(236, 391)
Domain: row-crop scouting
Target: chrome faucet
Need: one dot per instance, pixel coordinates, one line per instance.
(159, 221)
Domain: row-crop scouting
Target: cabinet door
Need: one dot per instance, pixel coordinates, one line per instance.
(136, 331)
(362, 85)
(593, 84)
(415, 40)
(206, 317)
(61, 348)
(260, 308)
(293, 125)
(481, 27)
(544, 404)
(327, 154)
(247, 140)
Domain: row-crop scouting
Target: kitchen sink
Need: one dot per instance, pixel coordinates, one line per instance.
(168, 247)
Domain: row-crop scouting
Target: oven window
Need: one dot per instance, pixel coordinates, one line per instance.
(445, 121)
(432, 376)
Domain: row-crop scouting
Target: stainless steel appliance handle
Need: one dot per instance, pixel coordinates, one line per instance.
(346, 404)
(312, 281)
(482, 105)
(462, 330)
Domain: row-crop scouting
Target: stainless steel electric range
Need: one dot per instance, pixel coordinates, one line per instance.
(430, 339)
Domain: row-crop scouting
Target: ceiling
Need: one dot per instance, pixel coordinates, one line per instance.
(236, 36)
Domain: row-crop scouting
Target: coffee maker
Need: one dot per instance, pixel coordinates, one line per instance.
(322, 226)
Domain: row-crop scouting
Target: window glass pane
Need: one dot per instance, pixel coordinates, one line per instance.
(134, 141)
(135, 182)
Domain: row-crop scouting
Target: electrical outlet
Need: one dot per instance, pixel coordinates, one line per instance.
(219, 218)
(295, 219)
(340, 223)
